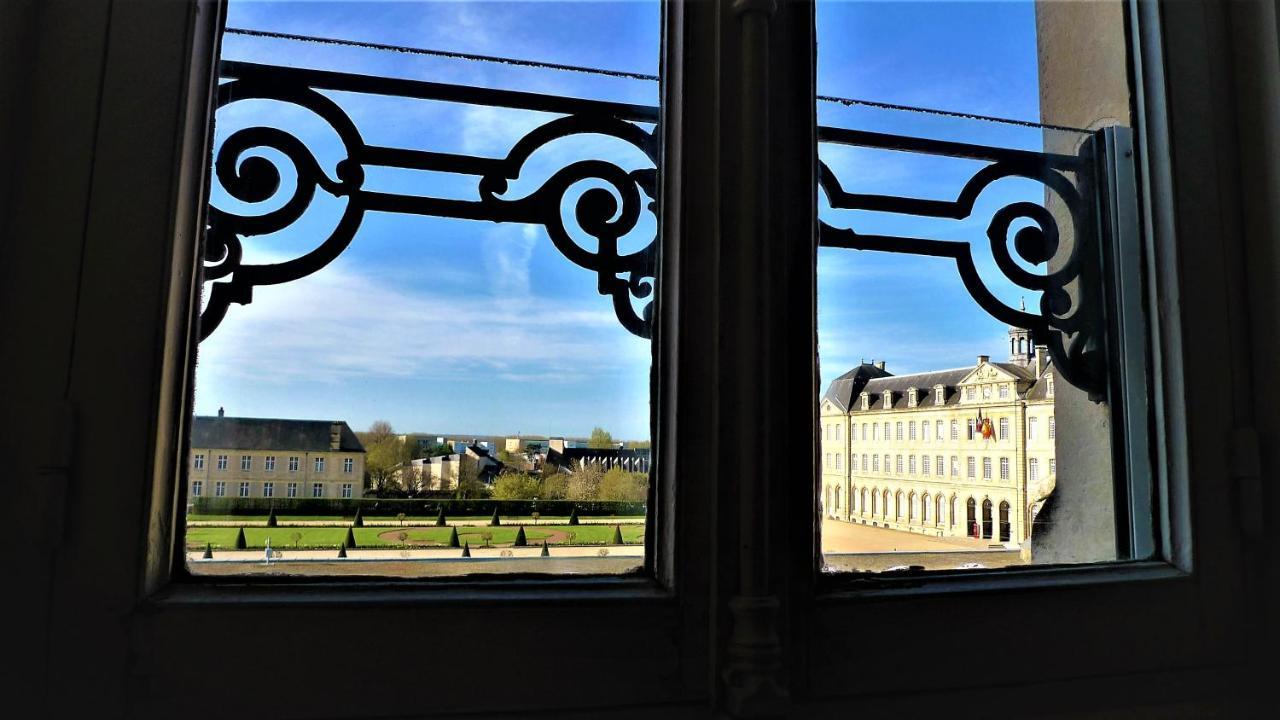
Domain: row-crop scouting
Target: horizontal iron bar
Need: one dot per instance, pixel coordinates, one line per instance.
(947, 148)
(428, 160)
(427, 90)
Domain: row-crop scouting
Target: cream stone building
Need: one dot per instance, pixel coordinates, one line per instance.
(263, 457)
(951, 453)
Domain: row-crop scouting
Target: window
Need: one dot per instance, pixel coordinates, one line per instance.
(1053, 430)
(865, 466)
(853, 463)
(970, 467)
(986, 392)
(246, 463)
(898, 431)
(939, 467)
(968, 393)
(317, 490)
(924, 465)
(1053, 466)
(969, 429)
(220, 488)
(875, 432)
(831, 464)
(955, 433)
(1031, 428)
(939, 431)
(222, 462)
(1004, 392)
(1004, 468)
(939, 395)
(320, 464)
(924, 431)
(1004, 429)
(911, 465)
(911, 430)
(244, 489)
(864, 431)
(886, 430)
(197, 488)
(293, 463)
(955, 466)
(268, 489)
(1033, 469)
(837, 461)
(198, 462)
(838, 432)
(346, 490)
(269, 463)
(291, 490)
(875, 463)
(986, 468)
(897, 466)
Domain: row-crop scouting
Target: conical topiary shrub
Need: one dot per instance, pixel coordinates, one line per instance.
(494, 520)
(240, 542)
(520, 539)
(359, 521)
(453, 538)
(351, 538)
(440, 522)
(617, 535)
(573, 516)
(342, 550)
(545, 552)
(208, 552)
(466, 549)
(271, 518)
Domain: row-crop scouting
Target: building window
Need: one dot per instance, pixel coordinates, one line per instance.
(291, 490)
(268, 489)
(886, 465)
(220, 488)
(837, 461)
(838, 432)
(875, 431)
(924, 431)
(1004, 392)
(886, 430)
(853, 463)
(197, 488)
(955, 466)
(222, 462)
(969, 429)
(293, 463)
(971, 467)
(198, 462)
(317, 490)
(911, 465)
(875, 463)
(939, 431)
(986, 392)
(1031, 428)
(924, 465)
(346, 491)
(911, 430)
(939, 395)
(955, 430)
(864, 431)
(830, 462)
(968, 393)
(1053, 430)
(269, 463)
(986, 468)
(1033, 470)
(865, 466)
(246, 463)
(939, 467)
(1053, 467)
(897, 431)
(1004, 428)
(897, 465)
(244, 489)
(1004, 468)
(320, 464)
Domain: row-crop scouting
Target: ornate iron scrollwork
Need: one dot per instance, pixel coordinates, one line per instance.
(605, 214)
(1069, 321)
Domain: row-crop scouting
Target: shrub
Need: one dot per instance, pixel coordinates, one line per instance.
(383, 508)
(342, 550)
(453, 538)
(520, 539)
(240, 542)
(271, 518)
(494, 520)
(351, 538)
(545, 551)
(440, 521)
(359, 521)
(208, 551)
(466, 549)
(617, 535)
(573, 516)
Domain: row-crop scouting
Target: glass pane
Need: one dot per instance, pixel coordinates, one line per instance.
(977, 236)
(429, 275)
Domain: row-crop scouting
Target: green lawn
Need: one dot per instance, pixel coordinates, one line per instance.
(409, 519)
(224, 538)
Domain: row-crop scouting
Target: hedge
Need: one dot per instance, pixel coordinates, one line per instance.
(387, 509)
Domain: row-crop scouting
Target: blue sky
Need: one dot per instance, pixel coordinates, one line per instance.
(459, 326)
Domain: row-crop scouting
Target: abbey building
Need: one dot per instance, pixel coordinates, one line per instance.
(950, 453)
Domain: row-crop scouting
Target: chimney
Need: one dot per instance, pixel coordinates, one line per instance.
(335, 436)
(1041, 360)
(983, 359)
(221, 412)
(879, 364)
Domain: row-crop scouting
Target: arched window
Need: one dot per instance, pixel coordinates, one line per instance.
(971, 518)
(924, 509)
(986, 520)
(884, 509)
(911, 507)
(1005, 526)
(952, 518)
(937, 516)
(873, 501)
(862, 502)
(897, 505)
(837, 506)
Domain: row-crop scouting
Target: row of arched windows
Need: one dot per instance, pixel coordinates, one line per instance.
(924, 509)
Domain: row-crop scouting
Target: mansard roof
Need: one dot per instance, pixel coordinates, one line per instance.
(845, 389)
(901, 384)
(1040, 390)
(233, 433)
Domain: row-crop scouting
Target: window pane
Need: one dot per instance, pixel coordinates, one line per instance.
(972, 199)
(429, 273)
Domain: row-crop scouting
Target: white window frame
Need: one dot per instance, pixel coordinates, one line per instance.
(319, 464)
(294, 463)
(268, 489)
(317, 490)
(269, 463)
(197, 463)
(291, 490)
(220, 488)
(147, 208)
(222, 463)
(197, 488)
(246, 463)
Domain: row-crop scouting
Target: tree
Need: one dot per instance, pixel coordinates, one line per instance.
(469, 484)
(600, 438)
(400, 518)
(208, 551)
(617, 535)
(545, 551)
(520, 540)
(573, 515)
(342, 550)
(466, 549)
(621, 486)
(296, 537)
(351, 538)
(495, 520)
(440, 521)
(584, 484)
(555, 486)
(516, 486)
(385, 456)
(271, 518)
(240, 542)
(453, 538)
(359, 519)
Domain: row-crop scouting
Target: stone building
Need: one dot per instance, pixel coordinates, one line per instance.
(266, 457)
(950, 453)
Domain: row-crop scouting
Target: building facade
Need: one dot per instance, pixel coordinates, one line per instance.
(262, 457)
(967, 452)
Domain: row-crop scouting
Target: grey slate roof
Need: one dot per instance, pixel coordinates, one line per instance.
(846, 388)
(234, 433)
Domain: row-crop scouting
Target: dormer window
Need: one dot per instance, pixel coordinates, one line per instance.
(866, 400)
(939, 394)
(888, 399)
(912, 397)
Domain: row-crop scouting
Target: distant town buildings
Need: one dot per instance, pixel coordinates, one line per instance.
(273, 458)
(961, 452)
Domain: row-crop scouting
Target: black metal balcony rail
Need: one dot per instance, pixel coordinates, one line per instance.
(1069, 318)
